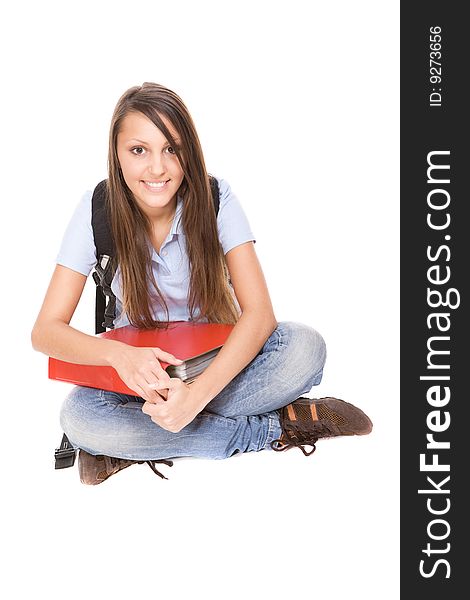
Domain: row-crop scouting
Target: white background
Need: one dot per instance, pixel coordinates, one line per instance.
(296, 105)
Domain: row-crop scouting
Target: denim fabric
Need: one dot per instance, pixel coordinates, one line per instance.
(243, 417)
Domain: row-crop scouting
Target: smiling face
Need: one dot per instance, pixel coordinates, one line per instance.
(149, 164)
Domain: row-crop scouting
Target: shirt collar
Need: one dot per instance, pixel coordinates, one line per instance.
(177, 226)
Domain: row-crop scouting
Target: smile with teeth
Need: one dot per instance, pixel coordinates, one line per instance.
(156, 184)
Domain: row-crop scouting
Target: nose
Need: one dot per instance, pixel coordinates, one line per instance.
(157, 165)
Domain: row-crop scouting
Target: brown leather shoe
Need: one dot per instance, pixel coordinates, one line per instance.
(95, 469)
(306, 420)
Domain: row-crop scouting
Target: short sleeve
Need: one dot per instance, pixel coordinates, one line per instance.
(77, 250)
(232, 222)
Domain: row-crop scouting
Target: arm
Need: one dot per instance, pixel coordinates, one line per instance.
(52, 333)
(53, 336)
(248, 336)
(255, 325)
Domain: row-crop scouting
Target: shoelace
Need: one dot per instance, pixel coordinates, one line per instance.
(298, 438)
(151, 464)
(116, 462)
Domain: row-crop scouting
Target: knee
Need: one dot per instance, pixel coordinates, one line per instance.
(70, 411)
(78, 416)
(307, 347)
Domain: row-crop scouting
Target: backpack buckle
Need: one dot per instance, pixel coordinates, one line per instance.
(65, 454)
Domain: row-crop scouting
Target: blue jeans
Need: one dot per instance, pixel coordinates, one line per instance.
(243, 417)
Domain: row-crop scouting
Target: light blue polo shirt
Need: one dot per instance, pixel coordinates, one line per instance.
(170, 266)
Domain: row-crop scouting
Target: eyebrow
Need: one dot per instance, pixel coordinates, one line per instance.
(177, 140)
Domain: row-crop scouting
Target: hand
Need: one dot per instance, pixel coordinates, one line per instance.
(178, 410)
(141, 370)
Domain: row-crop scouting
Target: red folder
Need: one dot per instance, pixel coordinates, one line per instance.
(183, 339)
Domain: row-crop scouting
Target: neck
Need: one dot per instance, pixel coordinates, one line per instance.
(164, 218)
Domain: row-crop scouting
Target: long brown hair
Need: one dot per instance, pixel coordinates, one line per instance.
(209, 288)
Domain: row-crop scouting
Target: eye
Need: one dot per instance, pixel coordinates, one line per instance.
(137, 150)
(170, 150)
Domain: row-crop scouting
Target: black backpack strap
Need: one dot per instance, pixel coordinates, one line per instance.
(215, 193)
(105, 305)
(65, 454)
(100, 221)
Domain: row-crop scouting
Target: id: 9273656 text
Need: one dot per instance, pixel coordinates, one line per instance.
(435, 65)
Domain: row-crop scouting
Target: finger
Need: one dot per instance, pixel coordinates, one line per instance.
(139, 390)
(149, 409)
(167, 357)
(158, 398)
(156, 371)
(147, 392)
(153, 412)
(163, 394)
(149, 374)
(168, 384)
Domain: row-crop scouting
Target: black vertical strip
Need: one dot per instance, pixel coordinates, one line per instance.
(434, 299)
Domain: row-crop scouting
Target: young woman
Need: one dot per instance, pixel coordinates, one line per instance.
(178, 261)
